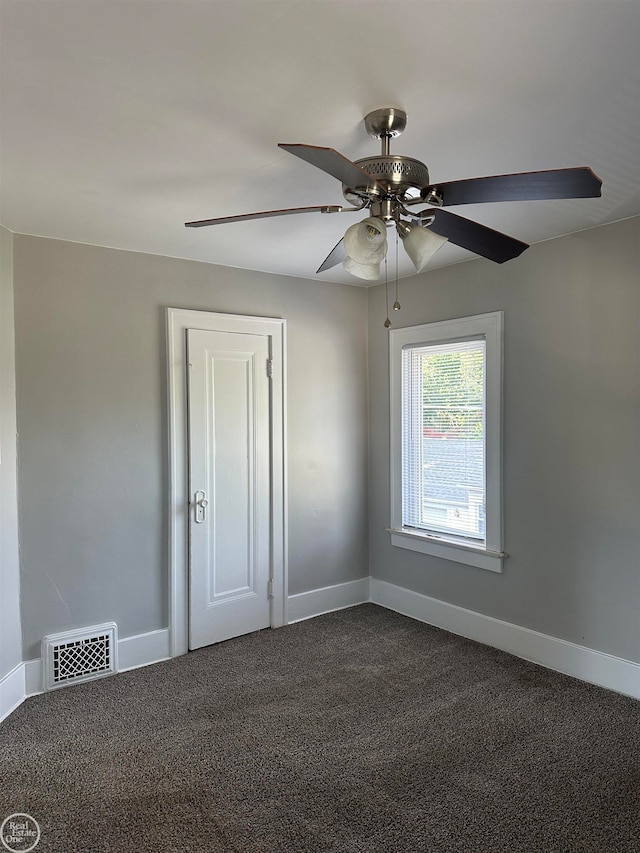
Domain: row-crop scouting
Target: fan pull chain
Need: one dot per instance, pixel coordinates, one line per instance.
(396, 304)
(387, 322)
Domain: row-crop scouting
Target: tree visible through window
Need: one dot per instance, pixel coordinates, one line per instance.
(453, 392)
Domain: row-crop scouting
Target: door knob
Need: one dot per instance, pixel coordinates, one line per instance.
(201, 504)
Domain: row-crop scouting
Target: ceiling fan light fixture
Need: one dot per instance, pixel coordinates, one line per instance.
(420, 243)
(366, 245)
(366, 241)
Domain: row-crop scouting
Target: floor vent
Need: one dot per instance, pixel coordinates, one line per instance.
(81, 655)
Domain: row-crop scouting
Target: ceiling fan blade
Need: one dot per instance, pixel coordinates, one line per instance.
(336, 256)
(331, 208)
(476, 238)
(580, 182)
(335, 164)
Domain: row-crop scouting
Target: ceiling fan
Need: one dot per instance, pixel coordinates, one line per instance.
(389, 185)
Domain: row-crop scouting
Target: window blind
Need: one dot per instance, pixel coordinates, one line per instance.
(443, 438)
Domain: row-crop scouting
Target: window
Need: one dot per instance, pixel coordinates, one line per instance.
(446, 383)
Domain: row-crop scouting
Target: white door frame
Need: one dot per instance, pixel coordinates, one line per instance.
(178, 321)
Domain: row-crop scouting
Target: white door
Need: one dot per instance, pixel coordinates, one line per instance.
(230, 586)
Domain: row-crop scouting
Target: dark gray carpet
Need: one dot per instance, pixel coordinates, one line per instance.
(360, 732)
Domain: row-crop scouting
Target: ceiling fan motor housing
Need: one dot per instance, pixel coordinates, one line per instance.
(401, 177)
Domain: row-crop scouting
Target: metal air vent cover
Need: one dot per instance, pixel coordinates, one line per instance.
(79, 655)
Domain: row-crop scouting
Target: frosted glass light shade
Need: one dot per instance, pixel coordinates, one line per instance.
(421, 244)
(366, 245)
(370, 272)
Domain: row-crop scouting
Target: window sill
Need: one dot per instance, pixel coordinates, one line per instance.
(480, 558)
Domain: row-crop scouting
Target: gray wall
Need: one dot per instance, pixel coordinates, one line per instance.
(90, 362)
(571, 437)
(10, 630)
(91, 374)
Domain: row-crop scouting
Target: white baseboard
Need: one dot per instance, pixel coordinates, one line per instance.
(305, 605)
(33, 677)
(12, 691)
(133, 652)
(143, 649)
(599, 668)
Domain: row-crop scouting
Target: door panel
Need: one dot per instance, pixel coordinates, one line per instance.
(229, 485)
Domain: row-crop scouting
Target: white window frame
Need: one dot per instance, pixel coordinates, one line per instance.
(489, 326)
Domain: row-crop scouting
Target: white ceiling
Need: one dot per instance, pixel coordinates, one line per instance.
(122, 119)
